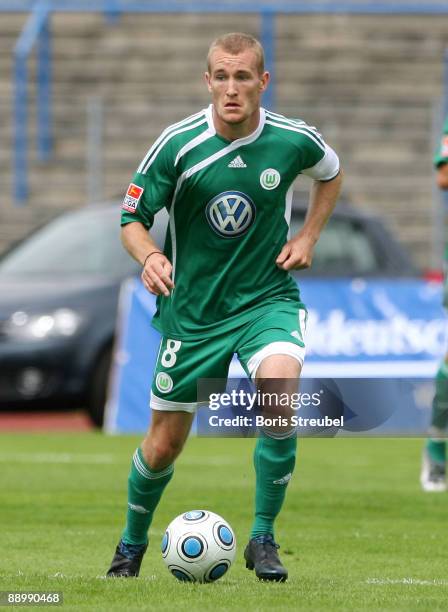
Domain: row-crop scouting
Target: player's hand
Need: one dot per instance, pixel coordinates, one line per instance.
(156, 275)
(296, 254)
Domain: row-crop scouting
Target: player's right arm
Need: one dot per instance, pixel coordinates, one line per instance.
(156, 268)
(151, 189)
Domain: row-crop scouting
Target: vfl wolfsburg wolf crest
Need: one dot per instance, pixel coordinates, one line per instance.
(230, 213)
(270, 179)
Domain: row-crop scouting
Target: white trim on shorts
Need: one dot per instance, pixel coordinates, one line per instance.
(158, 403)
(275, 348)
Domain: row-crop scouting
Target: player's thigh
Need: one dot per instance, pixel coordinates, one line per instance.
(172, 426)
(273, 346)
(181, 364)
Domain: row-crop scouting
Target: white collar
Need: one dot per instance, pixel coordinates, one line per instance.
(252, 136)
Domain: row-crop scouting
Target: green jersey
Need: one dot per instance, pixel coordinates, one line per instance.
(441, 156)
(229, 206)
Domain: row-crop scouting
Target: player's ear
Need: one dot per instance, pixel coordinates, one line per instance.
(207, 79)
(264, 80)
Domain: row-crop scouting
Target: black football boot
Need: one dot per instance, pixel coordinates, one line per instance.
(127, 560)
(261, 555)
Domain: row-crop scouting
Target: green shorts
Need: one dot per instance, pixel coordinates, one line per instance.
(279, 330)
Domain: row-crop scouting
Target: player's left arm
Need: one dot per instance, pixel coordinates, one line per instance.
(297, 253)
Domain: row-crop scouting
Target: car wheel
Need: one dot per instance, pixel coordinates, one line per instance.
(96, 400)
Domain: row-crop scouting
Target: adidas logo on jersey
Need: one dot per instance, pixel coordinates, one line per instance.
(237, 163)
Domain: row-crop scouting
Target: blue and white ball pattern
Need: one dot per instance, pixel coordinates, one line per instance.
(198, 546)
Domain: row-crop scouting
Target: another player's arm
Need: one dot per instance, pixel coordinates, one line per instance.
(442, 176)
(157, 269)
(297, 253)
(441, 160)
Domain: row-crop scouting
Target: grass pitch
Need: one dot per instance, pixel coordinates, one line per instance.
(356, 532)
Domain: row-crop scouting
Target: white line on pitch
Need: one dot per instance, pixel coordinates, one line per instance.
(56, 458)
(412, 581)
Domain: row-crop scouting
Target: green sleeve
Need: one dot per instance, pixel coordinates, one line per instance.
(441, 156)
(311, 146)
(152, 187)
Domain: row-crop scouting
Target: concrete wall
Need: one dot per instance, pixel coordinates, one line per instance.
(369, 83)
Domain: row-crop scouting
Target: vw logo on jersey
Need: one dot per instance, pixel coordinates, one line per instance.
(230, 213)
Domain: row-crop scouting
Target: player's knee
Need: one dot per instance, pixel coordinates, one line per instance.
(160, 453)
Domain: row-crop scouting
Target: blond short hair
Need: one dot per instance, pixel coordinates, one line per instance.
(235, 43)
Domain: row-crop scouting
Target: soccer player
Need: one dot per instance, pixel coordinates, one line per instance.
(226, 176)
(433, 473)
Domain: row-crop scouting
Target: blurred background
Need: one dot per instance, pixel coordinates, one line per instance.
(370, 77)
(85, 87)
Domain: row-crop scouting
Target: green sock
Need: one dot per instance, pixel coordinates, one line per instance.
(145, 488)
(274, 461)
(436, 448)
(439, 417)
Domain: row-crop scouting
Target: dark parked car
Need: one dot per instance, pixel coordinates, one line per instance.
(355, 243)
(58, 302)
(59, 293)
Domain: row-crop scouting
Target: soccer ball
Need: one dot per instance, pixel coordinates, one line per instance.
(198, 546)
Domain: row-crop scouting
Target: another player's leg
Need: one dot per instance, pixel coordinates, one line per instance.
(151, 470)
(433, 472)
(274, 461)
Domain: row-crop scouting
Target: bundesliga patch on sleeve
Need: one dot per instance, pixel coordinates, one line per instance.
(132, 198)
(444, 147)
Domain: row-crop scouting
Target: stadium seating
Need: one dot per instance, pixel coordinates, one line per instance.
(370, 83)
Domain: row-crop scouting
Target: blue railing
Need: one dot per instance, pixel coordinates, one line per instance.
(36, 33)
(248, 6)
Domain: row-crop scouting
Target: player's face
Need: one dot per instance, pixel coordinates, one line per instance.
(236, 87)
